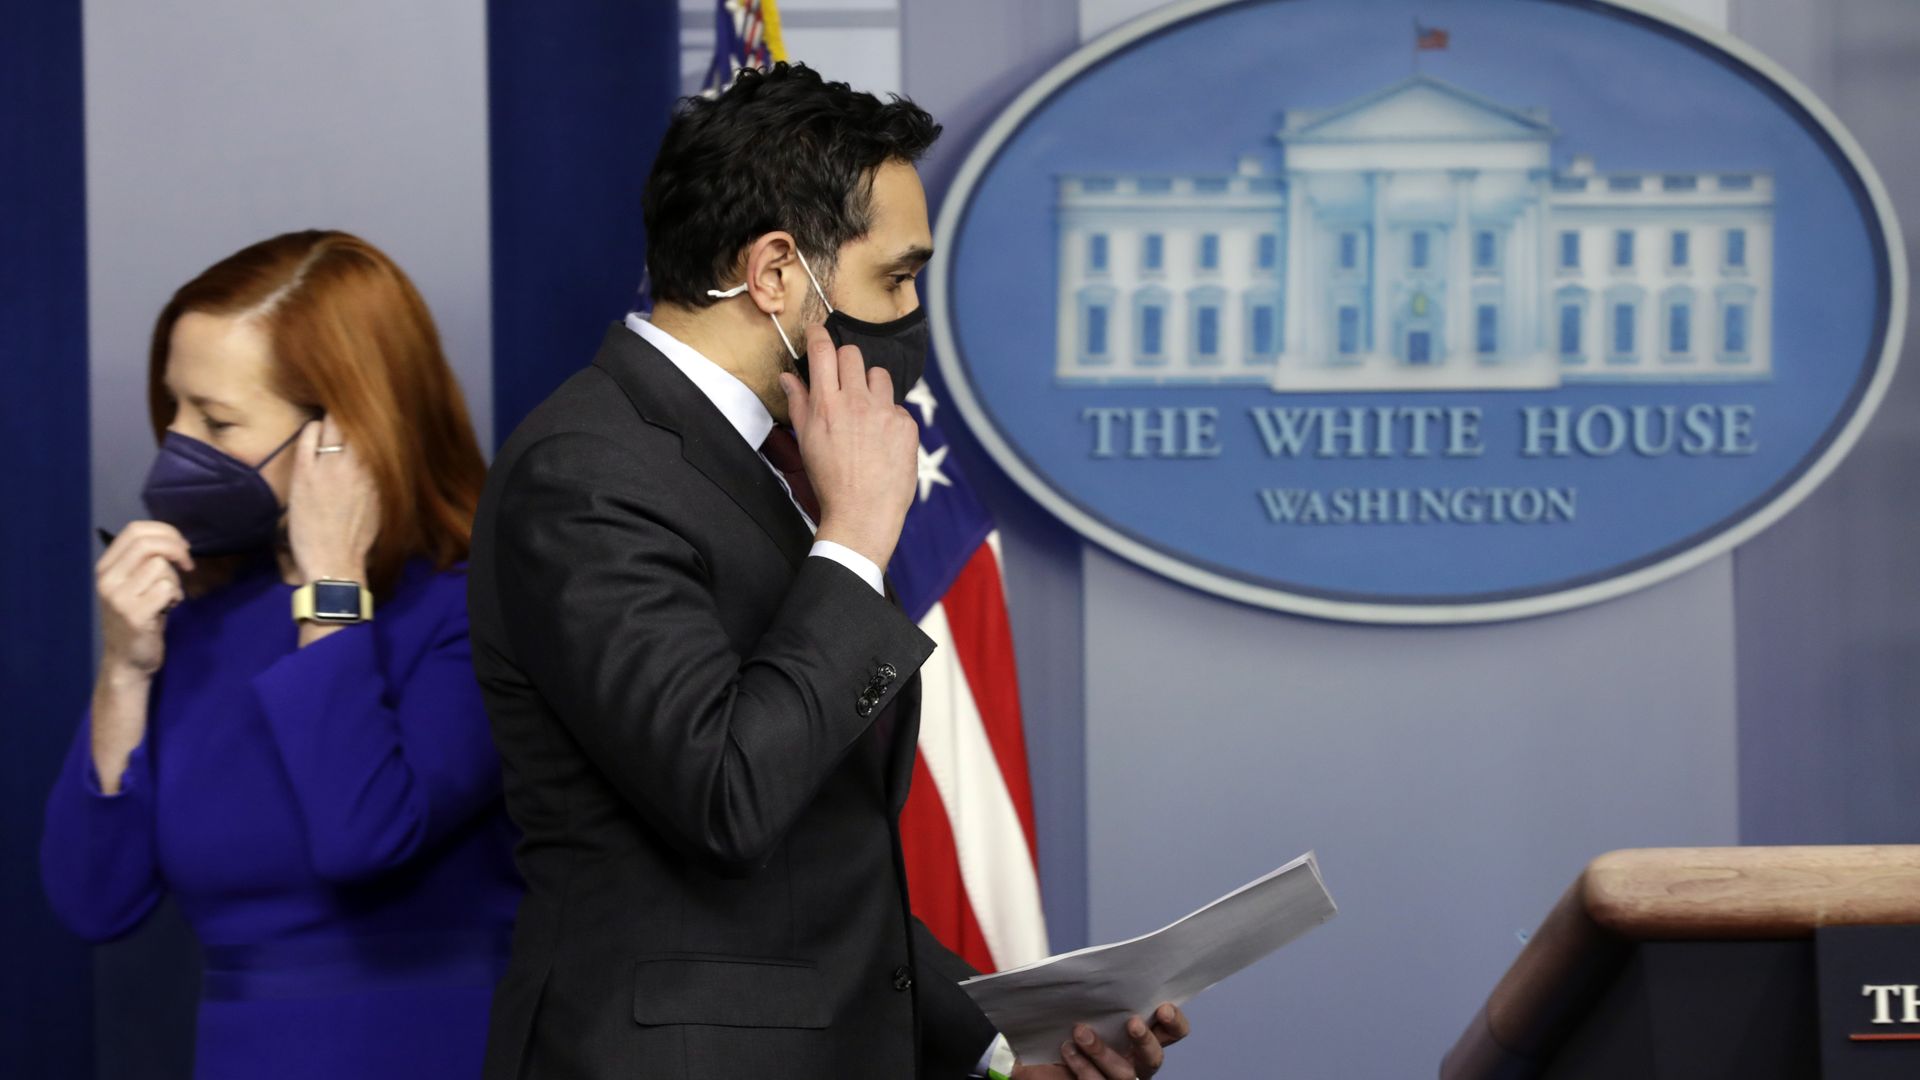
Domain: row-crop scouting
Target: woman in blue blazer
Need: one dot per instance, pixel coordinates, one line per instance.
(285, 731)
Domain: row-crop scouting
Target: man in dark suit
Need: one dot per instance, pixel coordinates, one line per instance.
(704, 696)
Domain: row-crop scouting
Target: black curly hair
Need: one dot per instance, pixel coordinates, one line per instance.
(779, 149)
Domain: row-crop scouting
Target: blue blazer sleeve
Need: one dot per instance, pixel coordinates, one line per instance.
(381, 771)
(97, 859)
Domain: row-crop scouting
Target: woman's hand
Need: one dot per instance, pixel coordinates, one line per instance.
(138, 581)
(333, 506)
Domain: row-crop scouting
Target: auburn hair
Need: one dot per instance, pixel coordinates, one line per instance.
(349, 334)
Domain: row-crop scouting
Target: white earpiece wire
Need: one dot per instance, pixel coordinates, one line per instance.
(723, 294)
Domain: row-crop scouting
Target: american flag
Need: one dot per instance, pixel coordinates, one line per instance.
(968, 825)
(746, 34)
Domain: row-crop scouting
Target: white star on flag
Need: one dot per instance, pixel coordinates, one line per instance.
(929, 469)
(922, 395)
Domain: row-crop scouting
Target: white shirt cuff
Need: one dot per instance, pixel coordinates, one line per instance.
(853, 561)
(998, 1061)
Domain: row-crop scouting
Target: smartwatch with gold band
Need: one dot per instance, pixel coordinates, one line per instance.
(326, 600)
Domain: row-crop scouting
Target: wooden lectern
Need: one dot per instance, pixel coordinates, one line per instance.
(1683, 961)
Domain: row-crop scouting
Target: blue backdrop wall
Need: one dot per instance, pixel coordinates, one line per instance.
(1180, 743)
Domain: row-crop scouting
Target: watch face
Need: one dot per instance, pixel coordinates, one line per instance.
(336, 600)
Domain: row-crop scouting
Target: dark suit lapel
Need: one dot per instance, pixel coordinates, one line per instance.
(668, 399)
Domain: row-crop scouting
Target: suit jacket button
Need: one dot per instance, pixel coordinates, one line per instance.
(866, 705)
(886, 673)
(902, 979)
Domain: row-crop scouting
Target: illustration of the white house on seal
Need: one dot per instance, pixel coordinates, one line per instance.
(1415, 238)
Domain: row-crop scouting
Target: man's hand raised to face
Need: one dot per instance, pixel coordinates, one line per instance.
(859, 447)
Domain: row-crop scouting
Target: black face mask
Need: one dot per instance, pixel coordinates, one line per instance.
(899, 346)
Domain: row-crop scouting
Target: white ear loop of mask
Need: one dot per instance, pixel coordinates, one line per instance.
(723, 294)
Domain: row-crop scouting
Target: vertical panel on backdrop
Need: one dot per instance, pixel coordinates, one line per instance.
(578, 99)
(45, 547)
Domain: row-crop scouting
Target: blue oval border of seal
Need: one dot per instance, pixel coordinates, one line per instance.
(1673, 559)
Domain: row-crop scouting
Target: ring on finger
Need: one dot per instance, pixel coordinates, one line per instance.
(334, 449)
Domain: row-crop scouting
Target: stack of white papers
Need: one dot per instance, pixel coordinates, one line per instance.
(1036, 1006)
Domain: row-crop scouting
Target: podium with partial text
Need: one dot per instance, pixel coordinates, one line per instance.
(1763, 963)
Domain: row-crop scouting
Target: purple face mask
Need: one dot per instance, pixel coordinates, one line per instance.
(219, 503)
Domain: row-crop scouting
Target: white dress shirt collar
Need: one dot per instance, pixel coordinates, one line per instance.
(735, 400)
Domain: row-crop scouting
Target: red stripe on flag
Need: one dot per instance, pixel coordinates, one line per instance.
(977, 614)
(933, 872)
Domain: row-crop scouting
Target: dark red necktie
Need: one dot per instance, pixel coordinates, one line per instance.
(783, 450)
